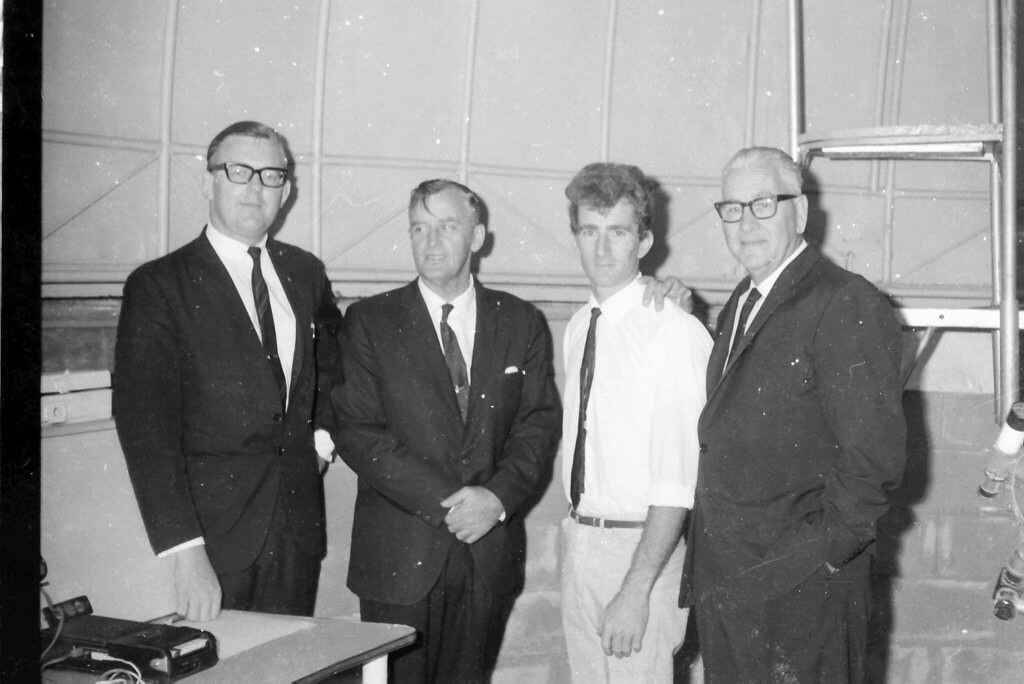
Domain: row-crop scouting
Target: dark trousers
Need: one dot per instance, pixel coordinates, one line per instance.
(282, 580)
(459, 623)
(817, 633)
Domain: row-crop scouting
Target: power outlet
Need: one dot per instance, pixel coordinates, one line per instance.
(71, 608)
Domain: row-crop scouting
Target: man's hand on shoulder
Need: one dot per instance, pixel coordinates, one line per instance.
(472, 512)
(624, 623)
(197, 586)
(657, 291)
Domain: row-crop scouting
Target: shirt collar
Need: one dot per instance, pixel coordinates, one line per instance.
(765, 286)
(622, 301)
(435, 301)
(230, 248)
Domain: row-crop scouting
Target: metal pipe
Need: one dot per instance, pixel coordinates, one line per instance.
(319, 99)
(608, 80)
(995, 113)
(467, 95)
(750, 125)
(796, 79)
(1009, 313)
(166, 108)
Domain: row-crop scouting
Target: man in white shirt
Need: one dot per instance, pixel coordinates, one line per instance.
(630, 447)
(222, 349)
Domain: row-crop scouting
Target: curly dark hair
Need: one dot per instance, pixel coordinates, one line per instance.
(601, 185)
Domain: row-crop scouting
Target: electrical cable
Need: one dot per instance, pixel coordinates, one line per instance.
(60, 624)
(134, 675)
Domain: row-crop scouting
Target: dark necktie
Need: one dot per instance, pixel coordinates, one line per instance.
(578, 474)
(266, 317)
(741, 325)
(456, 363)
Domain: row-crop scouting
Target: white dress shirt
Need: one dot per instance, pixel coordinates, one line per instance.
(235, 257)
(462, 319)
(647, 394)
(764, 287)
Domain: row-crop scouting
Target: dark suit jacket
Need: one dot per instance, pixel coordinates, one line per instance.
(802, 435)
(198, 411)
(402, 434)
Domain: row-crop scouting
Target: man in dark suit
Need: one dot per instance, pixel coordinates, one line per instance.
(215, 387)
(448, 415)
(802, 435)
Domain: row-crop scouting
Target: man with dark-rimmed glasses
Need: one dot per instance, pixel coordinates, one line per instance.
(223, 346)
(802, 435)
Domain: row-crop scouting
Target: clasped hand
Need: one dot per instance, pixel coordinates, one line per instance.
(472, 512)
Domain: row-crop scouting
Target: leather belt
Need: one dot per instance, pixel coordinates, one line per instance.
(605, 522)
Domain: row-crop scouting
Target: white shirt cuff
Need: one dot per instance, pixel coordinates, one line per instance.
(198, 541)
(323, 444)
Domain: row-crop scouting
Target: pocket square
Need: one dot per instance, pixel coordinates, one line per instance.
(511, 369)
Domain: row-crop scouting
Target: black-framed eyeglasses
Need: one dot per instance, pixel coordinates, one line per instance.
(271, 177)
(761, 207)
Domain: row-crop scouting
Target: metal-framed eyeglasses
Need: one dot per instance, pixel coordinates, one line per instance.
(761, 207)
(270, 176)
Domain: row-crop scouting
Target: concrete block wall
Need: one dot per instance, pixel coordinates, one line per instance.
(940, 550)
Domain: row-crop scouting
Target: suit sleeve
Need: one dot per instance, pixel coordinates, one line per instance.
(147, 403)
(364, 438)
(329, 373)
(858, 350)
(527, 452)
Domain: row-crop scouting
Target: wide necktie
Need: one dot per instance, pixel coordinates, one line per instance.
(456, 363)
(578, 473)
(741, 324)
(267, 330)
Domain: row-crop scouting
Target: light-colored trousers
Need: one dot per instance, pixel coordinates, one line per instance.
(594, 562)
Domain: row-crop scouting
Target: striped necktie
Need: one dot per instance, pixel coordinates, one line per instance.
(267, 330)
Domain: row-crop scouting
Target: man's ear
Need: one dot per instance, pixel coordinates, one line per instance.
(646, 242)
(801, 213)
(479, 235)
(286, 192)
(207, 184)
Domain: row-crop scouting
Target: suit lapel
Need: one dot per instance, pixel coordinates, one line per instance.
(423, 346)
(720, 352)
(225, 293)
(783, 290)
(488, 332)
(287, 273)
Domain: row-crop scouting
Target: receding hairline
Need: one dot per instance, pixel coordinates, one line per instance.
(254, 130)
(430, 188)
(788, 172)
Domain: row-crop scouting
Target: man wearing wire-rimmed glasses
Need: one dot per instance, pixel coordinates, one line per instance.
(222, 348)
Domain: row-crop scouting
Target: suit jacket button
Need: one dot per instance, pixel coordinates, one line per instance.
(703, 448)
(427, 517)
(278, 417)
(466, 461)
(280, 451)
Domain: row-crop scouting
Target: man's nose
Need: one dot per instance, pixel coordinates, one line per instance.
(254, 184)
(602, 244)
(747, 219)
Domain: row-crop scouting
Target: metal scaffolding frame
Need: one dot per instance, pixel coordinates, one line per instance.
(994, 142)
